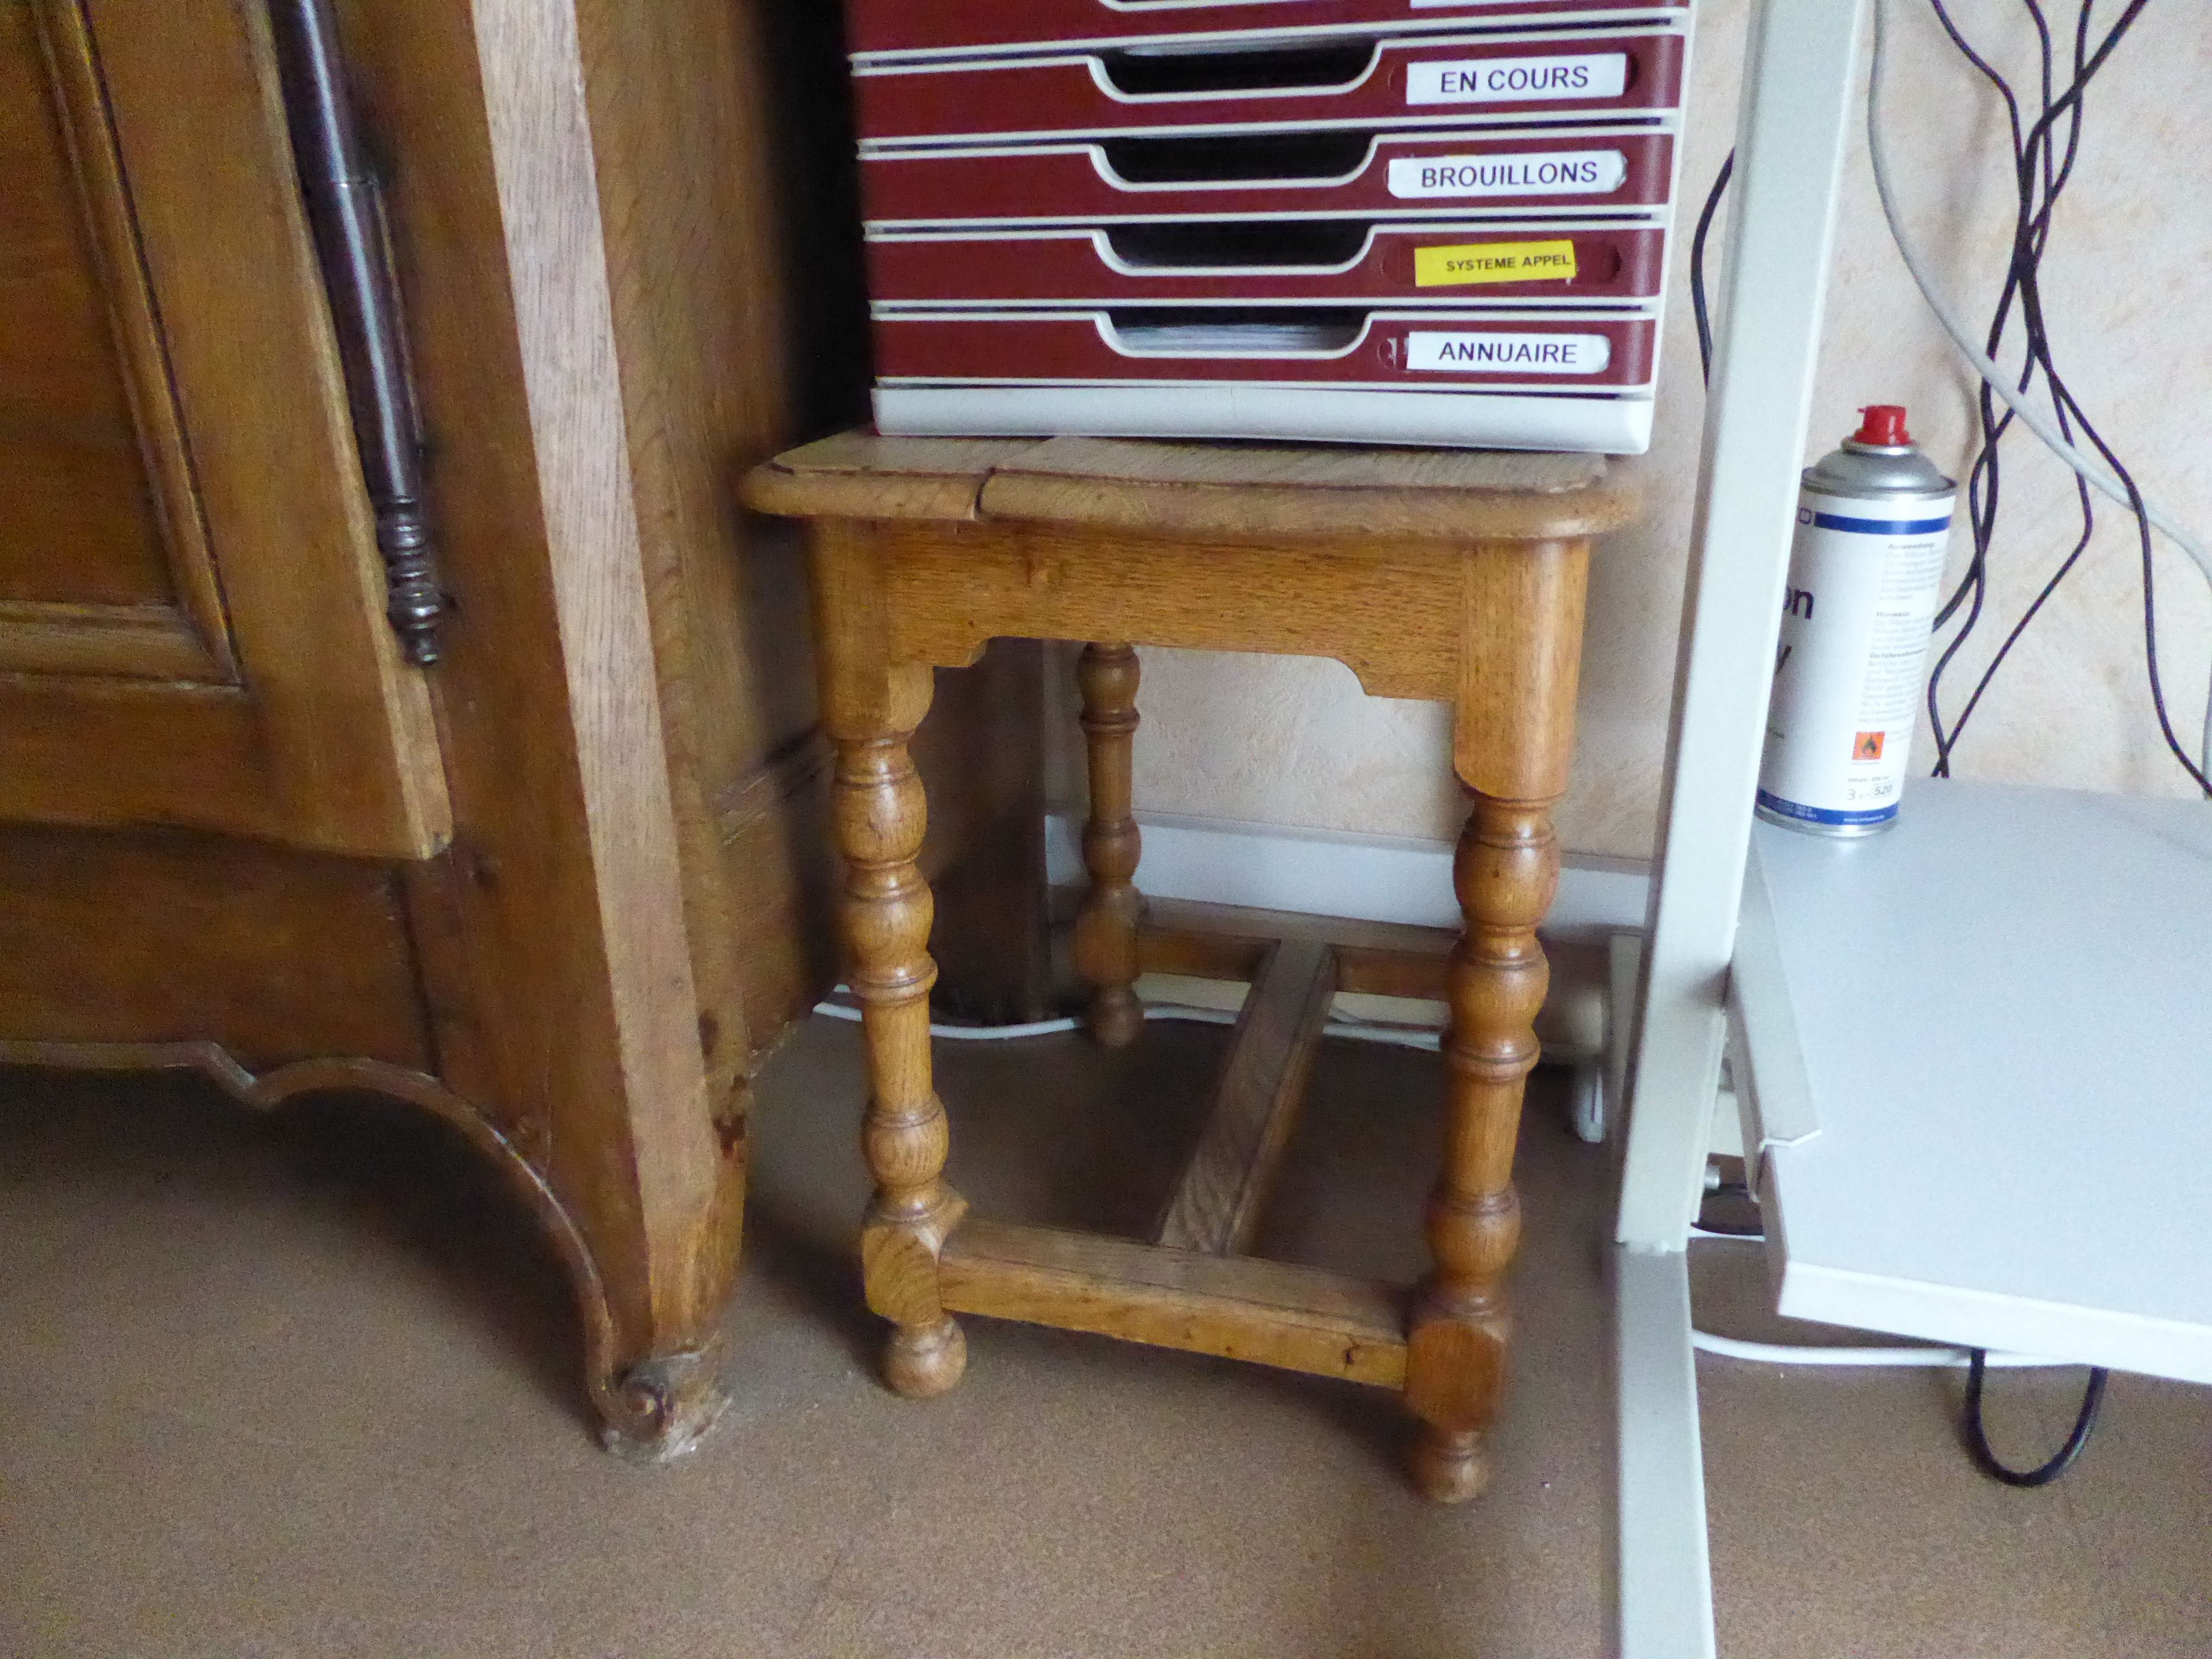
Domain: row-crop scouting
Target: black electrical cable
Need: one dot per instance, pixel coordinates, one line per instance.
(1982, 482)
(2040, 176)
(2042, 169)
(2028, 254)
(1977, 1439)
(2031, 229)
(1697, 266)
(2033, 155)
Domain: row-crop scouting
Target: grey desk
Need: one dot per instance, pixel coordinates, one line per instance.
(1977, 1051)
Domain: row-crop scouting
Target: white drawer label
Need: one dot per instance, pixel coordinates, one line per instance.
(1521, 354)
(1516, 80)
(1559, 172)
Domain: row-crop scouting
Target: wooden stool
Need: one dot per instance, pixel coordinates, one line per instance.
(1450, 577)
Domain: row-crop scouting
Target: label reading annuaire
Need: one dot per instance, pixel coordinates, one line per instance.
(1517, 80)
(1516, 354)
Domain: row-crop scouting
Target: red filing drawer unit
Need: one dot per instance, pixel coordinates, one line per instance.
(1274, 176)
(881, 26)
(1388, 220)
(1544, 379)
(1421, 81)
(1308, 262)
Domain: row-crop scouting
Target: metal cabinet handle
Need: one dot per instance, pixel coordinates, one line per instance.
(353, 244)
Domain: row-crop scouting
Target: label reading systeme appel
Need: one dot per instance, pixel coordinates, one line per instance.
(1516, 80)
(1516, 354)
(1554, 172)
(1467, 263)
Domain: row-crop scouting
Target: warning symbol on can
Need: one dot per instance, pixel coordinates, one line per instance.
(1868, 747)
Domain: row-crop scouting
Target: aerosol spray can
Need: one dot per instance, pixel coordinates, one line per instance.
(1865, 573)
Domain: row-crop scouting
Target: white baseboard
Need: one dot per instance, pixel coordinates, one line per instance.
(1367, 877)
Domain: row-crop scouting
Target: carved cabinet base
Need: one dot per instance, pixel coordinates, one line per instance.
(136, 953)
(652, 1406)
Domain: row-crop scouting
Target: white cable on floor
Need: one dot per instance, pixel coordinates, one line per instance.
(1358, 1030)
(1402, 1036)
(966, 1033)
(1786, 1353)
(1791, 1353)
(2037, 422)
(1038, 1027)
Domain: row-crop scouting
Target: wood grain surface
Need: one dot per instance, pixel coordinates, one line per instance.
(1217, 1207)
(78, 522)
(1228, 941)
(275, 957)
(1202, 490)
(949, 594)
(179, 403)
(1300, 1319)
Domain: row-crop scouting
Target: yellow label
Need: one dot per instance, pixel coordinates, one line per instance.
(1493, 262)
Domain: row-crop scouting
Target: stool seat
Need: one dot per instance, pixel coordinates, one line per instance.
(1452, 576)
(1196, 489)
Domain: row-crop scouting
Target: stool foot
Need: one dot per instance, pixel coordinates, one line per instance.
(923, 1361)
(1450, 1466)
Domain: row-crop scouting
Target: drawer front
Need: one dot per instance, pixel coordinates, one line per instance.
(1536, 352)
(1327, 260)
(949, 26)
(1327, 82)
(1338, 173)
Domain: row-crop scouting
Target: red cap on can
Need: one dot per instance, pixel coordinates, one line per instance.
(1883, 425)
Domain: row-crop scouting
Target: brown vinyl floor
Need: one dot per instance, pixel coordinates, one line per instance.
(305, 1388)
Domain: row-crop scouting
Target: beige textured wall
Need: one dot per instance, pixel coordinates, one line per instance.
(2128, 285)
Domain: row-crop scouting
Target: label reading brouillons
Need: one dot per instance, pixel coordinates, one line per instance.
(1556, 173)
(1519, 353)
(1517, 80)
(1493, 262)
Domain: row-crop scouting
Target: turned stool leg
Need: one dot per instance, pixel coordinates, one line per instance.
(1506, 870)
(886, 911)
(1106, 927)
(1512, 738)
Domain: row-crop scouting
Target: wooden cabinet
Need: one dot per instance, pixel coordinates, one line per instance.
(563, 888)
(190, 588)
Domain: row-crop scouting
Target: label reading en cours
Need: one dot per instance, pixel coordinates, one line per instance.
(1493, 262)
(1517, 80)
(1554, 172)
(1516, 353)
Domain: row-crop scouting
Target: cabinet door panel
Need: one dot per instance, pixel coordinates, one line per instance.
(75, 524)
(191, 597)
